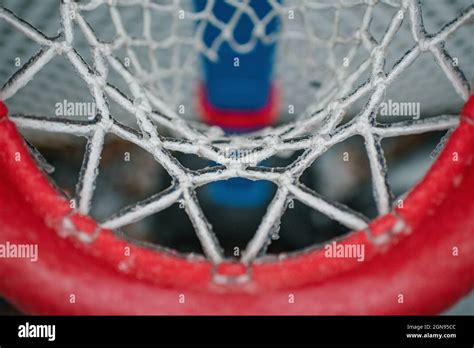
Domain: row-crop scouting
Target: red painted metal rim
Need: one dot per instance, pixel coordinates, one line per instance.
(422, 253)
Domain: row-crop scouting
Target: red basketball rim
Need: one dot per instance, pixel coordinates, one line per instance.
(419, 259)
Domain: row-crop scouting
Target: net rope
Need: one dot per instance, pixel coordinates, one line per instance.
(315, 130)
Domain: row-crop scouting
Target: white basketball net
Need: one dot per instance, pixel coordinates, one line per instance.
(153, 103)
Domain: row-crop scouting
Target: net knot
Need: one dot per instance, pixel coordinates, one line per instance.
(106, 124)
(62, 47)
(186, 182)
(142, 104)
(259, 30)
(424, 44)
(227, 33)
(286, 179)
(379, 80)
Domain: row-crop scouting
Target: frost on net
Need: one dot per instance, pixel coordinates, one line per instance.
(153, 106)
